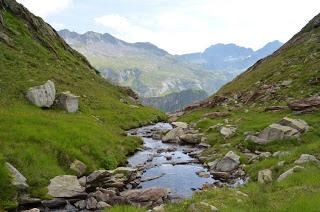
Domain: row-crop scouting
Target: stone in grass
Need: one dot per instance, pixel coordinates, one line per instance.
(305, 158)
(289, 172)
(265, 176)
(228, 163)
(68, 102)
(42, 96)
(228, 131)
(79, 167)
(17, 179)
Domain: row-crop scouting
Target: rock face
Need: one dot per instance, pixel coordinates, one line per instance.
(228, 163)
(79, 167)
(305, 105)
(43, 95)
(284, 129)
(68, 102)
(18, 180)
(65, 186)
(265, 176)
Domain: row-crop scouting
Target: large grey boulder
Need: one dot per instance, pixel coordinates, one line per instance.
(278, 132)
(68, 102)
(65, 186)
(297, 124)
(228, 163)
(173, 136)
(43, 95)
(18, 180)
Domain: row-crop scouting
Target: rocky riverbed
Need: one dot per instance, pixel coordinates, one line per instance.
(169, 167)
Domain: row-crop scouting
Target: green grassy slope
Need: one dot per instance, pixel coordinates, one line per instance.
(298, 192)
(43, 143)
(298, 60)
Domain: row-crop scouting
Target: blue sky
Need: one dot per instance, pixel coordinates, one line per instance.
(181, 26)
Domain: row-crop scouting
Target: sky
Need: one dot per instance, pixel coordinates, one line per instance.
(181, 26)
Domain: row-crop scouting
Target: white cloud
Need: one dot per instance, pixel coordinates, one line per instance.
(45, 8)
(193, 25)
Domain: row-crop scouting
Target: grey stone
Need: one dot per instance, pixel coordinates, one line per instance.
(18, 180)
(79, 167)
(182, 125)
(228, 131)
(228, 163)
(278, 132)
(65, 186)
(32, 210)
(289, 172)
(145, 195)
(305, 158)
(81, 204)
(91, 203)
(43, 95)
(297, 124)
(159, 208)
(70, 208)
(280, 154)
(173, 136)
(210, 207)
(68, 102)
(103, 205)
(265, 176)
(191, 138)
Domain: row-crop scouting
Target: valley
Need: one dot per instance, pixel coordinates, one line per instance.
(228, 129)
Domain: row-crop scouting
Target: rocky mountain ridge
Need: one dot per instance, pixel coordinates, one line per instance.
(151, 71)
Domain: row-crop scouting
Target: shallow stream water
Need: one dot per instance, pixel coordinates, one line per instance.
(170, 164)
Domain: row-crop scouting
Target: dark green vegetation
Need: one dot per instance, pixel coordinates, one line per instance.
(175, 101)
(42, 143)
(298, 61)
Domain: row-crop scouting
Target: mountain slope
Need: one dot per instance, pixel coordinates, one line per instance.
(148, 70)
(292, 71)
(175, 101)
(230, 57)
(254, 103)
(42, 143)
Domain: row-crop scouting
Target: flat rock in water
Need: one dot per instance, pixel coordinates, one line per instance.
(65, 186)
(173, 136)
(182, 125)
